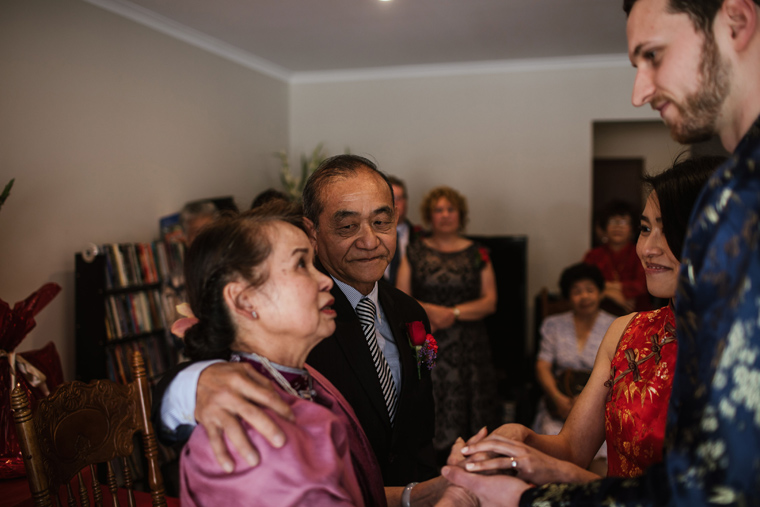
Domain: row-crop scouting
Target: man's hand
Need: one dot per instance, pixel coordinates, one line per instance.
(491, 490)
(453, 495)
(228, 391)
(457, 496)
(455, 455)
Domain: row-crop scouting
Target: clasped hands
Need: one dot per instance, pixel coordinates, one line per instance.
(486, 465)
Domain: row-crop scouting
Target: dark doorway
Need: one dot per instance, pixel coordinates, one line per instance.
(615, 179)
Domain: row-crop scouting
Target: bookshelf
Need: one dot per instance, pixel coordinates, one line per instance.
(126, 296)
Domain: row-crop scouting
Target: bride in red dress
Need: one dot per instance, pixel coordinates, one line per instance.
(626, 398)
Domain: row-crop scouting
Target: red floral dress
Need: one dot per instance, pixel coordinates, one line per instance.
(641, 379)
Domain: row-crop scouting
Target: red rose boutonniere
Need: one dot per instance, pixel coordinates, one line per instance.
(424, 344)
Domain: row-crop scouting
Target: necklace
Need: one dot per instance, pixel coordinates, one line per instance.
(306, 394)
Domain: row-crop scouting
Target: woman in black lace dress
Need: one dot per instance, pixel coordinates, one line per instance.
(452, 277)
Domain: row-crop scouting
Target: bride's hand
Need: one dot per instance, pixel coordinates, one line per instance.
(530, 465)
(513, 431)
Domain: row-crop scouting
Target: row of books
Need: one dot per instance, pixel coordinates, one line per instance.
(153, 350)
(136, 264)
(136, 313)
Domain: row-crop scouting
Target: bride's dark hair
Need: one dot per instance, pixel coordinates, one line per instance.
(234, 245)
(677, 190)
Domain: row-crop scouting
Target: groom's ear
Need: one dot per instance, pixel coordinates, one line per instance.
(311, 232)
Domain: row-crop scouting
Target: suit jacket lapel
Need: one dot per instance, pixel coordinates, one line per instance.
(398, 328)
(350, 338)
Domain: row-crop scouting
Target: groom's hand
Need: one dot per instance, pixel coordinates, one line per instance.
(491, 490)
(228, 392)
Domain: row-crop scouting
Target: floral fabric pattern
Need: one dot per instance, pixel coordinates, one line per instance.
(635, 411)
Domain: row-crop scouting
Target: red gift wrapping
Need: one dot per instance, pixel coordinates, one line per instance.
(15, 324)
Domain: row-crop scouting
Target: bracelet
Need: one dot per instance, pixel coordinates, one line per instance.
(406, 496)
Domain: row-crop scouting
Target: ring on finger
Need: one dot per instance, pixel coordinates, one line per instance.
(513, 467)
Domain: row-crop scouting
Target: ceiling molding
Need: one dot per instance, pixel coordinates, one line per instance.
(193, 37)
(463, 69)
(222, 49)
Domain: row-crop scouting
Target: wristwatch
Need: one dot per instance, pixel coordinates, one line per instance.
(456, 313)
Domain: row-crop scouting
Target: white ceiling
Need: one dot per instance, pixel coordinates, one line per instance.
(291, 37)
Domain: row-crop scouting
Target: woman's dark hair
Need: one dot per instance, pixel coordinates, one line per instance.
(235, 245)
(677, 190)
(269, 195)
(616, 208)
(577, 272)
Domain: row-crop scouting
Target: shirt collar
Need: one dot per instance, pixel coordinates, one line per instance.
(354, 296)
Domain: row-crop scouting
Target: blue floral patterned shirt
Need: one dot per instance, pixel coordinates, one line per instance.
(712, 445)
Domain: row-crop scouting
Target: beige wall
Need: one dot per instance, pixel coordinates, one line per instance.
(648, 140)
(108, 125)
(519, 145)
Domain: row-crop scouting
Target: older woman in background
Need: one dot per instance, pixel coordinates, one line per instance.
(569, 342)
(453, 279)
(617, 260)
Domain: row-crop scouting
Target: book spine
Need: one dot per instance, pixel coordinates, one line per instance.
(134, 265)
(151, 263)
(163, 261)
(119, 262)
(110, 270)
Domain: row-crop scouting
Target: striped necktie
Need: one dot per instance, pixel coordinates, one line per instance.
(365, 310)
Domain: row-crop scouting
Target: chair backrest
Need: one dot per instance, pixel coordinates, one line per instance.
(80, 425)
(551, 305)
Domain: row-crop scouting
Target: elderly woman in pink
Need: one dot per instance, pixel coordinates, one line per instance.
(258, 298)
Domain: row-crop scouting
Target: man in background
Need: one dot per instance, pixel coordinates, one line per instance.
(405, 230)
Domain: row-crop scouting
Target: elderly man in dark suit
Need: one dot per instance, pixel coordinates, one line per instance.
(349, 213)
(350, 217)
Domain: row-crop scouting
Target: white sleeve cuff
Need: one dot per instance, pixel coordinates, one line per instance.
(178, 403)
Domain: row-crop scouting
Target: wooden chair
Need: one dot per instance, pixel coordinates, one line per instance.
(551, 305)
(545, 304)
(80, 425)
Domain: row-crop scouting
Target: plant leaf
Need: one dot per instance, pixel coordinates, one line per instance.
(6, 192)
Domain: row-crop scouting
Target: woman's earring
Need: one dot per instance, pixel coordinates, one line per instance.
(254, 314)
